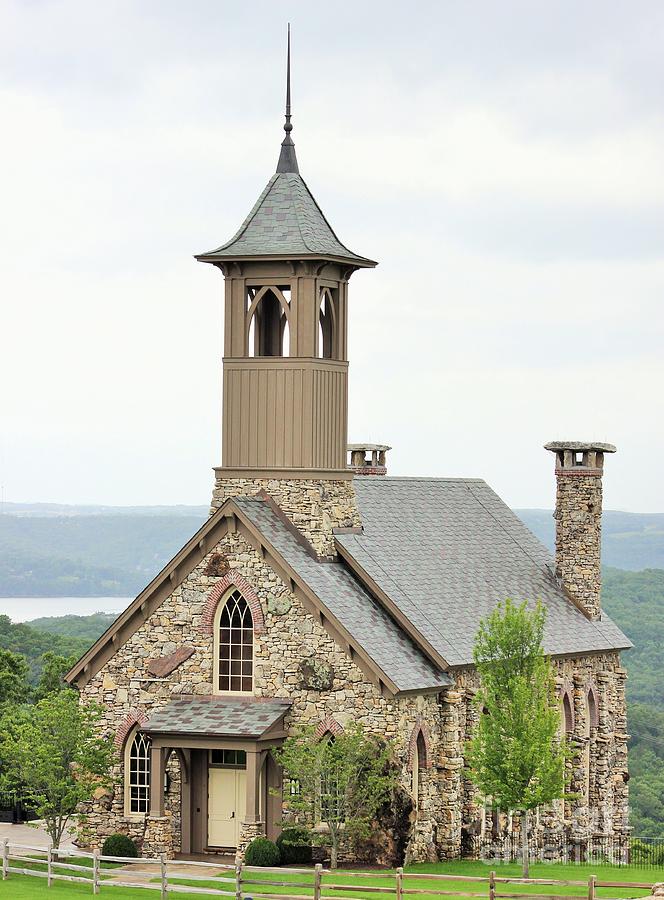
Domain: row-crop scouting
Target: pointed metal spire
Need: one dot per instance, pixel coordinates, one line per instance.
(287, 158)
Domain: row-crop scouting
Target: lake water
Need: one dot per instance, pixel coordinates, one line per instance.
(22, 609)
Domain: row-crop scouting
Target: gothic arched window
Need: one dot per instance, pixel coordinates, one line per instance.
(327, 326)
(567, 715)
(137, 773)
(234, 646)
(419, 763)
(331, 801)
(268, 321)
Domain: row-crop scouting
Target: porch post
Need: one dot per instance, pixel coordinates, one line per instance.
(156, 781)
(252, 812)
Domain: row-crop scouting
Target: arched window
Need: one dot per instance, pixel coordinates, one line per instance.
(234, 646)
(137, 774)
(331, 802)
(567, 715)
(327, 326)
(268, 320)
(591, 719)
(419, 763)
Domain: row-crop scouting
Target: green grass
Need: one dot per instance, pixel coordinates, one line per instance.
(510, 870)
(24, 887)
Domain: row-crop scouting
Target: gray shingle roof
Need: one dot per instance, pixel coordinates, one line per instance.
(216, 715)
(446, 550)
(286, 220)
(363, 618)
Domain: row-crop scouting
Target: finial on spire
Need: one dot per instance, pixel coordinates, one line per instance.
(288, 126)
(287, 159)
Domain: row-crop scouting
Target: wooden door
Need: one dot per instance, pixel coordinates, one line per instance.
(226, 806)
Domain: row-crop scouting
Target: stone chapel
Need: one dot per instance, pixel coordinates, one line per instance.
(321, 590)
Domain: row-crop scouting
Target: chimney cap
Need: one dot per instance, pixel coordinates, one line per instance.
(585, 446)
(368, 447)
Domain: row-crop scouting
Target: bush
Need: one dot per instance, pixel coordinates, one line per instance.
(295, 846)
(119, 845)
(262, 852)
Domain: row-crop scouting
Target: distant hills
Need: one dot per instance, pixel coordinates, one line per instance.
(54, 550)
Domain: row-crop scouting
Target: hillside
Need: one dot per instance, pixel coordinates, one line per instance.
(51, 550)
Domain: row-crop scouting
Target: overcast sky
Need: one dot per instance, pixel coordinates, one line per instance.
(504, 161)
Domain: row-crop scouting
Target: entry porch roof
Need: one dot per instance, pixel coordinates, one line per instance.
(217, 716)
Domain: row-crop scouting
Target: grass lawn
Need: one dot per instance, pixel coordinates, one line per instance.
(18, 887)
(512, 870)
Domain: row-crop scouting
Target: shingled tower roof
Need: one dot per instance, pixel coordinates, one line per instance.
(286, 221)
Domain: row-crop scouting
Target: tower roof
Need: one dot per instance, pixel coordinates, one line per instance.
(286, 221)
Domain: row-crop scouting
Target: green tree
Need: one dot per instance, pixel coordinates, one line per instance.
(517, 756)
(339, 781)
(14, 671)
(54, 668)
(53, 754)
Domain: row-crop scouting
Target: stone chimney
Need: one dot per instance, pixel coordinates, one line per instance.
(578, 516)
(368, 459)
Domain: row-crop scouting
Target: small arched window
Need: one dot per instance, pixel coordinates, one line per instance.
(419, 763)
(331, 801)
(234, 646)
(567, 715)
(137, 774)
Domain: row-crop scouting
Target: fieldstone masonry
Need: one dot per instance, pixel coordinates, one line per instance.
(315, 507)
(578, 516)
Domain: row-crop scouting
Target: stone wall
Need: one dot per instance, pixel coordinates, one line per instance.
(291, 653)
(296, 658)
(314, 507)
(578, 518)
(601, 804)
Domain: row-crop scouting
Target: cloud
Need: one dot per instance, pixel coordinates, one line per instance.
(503, 162)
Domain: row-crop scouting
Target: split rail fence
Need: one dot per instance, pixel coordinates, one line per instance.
(160, 874)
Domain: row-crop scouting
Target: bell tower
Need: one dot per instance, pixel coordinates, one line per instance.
(285, 365)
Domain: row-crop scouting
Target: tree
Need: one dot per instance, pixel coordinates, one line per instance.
(339, 781)
(14, 686)
(517, 754)
(53, 754)
(54, 668)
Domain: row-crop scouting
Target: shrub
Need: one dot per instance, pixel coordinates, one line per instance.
(119, 845)
(295, 846)
(262, 852)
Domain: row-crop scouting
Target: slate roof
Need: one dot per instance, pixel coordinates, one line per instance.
(216, 715)
(286, 220)
(446, 550)
(362, 616)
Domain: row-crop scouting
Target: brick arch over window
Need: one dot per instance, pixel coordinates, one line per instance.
(327, 725)
(592, 699)
(133, 717)
(232, 579)
(420, 728)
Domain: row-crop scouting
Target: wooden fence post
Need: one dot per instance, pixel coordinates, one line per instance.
(591, 887)
(318, 875)
(399, 880)
(5, 859)
(49, 866)
(492, 885)
(238, 881)
(95, 872)
(164, 877)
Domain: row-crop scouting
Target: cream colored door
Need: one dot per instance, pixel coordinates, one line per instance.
(226, 806)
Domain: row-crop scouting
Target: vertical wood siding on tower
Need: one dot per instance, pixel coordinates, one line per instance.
(281, 412)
